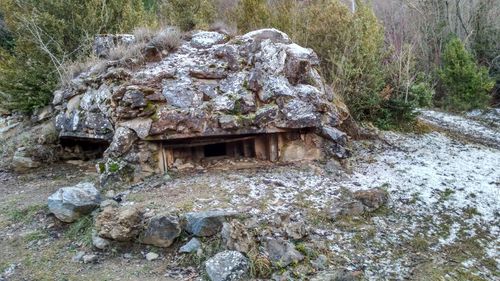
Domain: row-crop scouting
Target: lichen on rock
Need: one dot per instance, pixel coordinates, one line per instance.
(210, 85)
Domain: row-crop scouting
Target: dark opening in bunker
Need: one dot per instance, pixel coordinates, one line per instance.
(82, 149)
(213, 150)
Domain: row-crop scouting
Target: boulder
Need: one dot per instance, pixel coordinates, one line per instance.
(123, 141)
(119, 223)
(227, 266)
(205, 223)
(271, 34)
(281, 252)
(334, 134)
(161, 230)
(191, 247)
(228, 122)
(140, 126)
(70, 203)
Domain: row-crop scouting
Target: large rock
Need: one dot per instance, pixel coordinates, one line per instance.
(227, 266)
(281, 252)
(162, 230)
(119, 223)
(206, 223)
(70, 203)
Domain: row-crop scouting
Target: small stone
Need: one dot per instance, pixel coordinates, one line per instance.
(99, 242)
(206, 223)
(127, 256)
(281, 252)
(335, 275)
(107, 203)
(227, 266)
(320, 262)
(90, 258)
(190, 247)
(78, 257)
(110, 194)
(346, 209)
(372, 198)
(152, 256)
(296, 230)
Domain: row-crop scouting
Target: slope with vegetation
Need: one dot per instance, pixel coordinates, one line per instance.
(385, 58)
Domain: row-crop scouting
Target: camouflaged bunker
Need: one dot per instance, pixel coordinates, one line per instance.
(258, 95)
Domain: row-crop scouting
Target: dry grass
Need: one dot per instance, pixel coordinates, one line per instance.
(143, 34)
(169, 38)
(124, 52)
(75, 68)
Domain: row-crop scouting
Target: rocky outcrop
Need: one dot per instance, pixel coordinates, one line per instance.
(227, 266)
(70, 203)
(212, 85)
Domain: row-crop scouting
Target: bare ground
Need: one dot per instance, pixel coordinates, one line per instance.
(442, 222)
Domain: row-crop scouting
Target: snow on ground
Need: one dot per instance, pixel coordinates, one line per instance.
(443, 218)
(433, 166)
(483, 128)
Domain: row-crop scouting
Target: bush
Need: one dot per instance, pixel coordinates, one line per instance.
(466, 85)
(187, 14)
(47, 34)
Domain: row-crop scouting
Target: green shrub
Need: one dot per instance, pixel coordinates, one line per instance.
(252, 14)
(467, 85)
(187, 14)
(422, 93)
(47, 34)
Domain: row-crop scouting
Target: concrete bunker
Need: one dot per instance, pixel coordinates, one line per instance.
(283, 146)
(258, 96)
